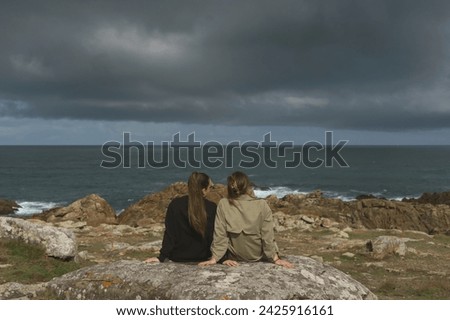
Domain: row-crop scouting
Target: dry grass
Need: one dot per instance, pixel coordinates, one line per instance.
(423, 273)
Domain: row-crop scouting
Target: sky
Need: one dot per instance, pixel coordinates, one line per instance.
(85, 72)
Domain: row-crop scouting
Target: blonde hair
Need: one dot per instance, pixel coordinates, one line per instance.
(196, 204)
(238, 184)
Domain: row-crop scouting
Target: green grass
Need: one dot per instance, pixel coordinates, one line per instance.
(441, 238)
(29, 263)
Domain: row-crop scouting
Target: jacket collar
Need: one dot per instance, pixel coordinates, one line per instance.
(245, 197)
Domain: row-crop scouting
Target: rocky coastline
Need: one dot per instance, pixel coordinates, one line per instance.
(367, 233)
(429, 213)
(8, 207)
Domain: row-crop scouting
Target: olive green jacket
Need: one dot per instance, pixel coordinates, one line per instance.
(245, 229)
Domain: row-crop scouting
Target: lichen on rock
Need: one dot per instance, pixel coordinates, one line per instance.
(132, 279)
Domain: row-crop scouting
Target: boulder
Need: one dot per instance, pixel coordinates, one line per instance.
(92, 209)
(131, 279)
(386, 245)
(368, 196)
(58, 242)
(8, 207)
(152, 208)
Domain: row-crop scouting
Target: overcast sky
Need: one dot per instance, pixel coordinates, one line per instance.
(84, 72)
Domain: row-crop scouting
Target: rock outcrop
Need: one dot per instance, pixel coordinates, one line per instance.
(131, 279)
(300, 211)
(58, 242)
(8, 207)
(435, 198)
(92, 209)
(389, 214)
(370, 213)
(152, 208)
(387, 245)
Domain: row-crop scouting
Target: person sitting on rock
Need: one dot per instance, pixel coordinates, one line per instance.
(244, 227)
(189, 224)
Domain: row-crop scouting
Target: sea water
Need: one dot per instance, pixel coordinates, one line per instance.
(42, 177)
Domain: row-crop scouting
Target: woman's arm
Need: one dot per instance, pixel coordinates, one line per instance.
(270, 247)
(169, 239)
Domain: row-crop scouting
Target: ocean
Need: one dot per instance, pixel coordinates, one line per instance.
(42, 177)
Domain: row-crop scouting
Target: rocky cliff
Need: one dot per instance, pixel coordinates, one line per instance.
(429, 213)
(371, 213)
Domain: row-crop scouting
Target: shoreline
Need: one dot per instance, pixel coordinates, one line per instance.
(30, 208)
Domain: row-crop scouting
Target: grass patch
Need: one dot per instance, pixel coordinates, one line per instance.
(26, 263)
(363, 235)
(372, 234)
(441, 238)
(141, 255)
(321, 233)
(419, 289)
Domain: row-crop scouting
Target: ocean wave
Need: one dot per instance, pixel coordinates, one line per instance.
(279, 192)
(33, 207)
(336, 195)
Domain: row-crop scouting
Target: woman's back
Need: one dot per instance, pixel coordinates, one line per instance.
(247, 224)
(244, 214)
(189, 223)
(181, 242)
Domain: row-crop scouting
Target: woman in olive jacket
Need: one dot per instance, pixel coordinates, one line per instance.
(243, 229)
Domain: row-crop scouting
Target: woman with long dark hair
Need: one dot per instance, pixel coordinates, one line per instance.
(189, 224)
(244, 227)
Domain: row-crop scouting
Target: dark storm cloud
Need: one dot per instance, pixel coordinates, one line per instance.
(377, 65)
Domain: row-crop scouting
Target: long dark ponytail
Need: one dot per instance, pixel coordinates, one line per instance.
(196, 207)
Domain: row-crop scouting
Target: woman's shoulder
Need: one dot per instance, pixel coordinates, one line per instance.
(259, 203)
(252, 199)
(243, 198)
(182, 200)
(224, 202)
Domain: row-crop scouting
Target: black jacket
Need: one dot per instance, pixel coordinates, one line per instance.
(181, 243)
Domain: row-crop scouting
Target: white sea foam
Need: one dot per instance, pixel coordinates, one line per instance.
(33, 207)
(282, 191)
(344, 198)
(279, 192)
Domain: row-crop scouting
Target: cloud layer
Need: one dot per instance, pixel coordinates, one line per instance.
(373, 65)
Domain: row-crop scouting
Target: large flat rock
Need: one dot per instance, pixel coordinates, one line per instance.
(131, 279)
